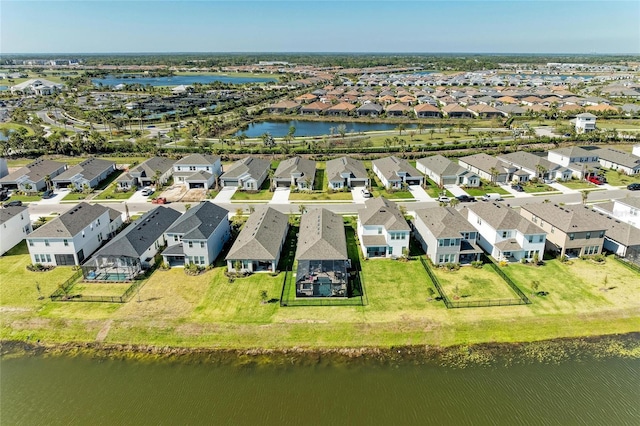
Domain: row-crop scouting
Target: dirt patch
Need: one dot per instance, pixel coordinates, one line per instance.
(194, 196)
(174, 193)
(102, 334)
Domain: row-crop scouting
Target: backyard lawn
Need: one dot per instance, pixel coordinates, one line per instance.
(468, 283)
(578, 184)
(317, 195)
(533, 188)
(111, 193)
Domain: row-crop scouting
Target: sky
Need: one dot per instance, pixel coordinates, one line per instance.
(507, 26)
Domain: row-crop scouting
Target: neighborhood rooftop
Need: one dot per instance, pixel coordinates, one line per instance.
(36, 170)
(296, 165)
(322, 236)
(501, 217)
(9, 212)
(141, 234)
(261, 235)
(71, 222)
(567, 218)
(251, 166)
(199, 222)
(345, 165)
(380, 211)
(194, 159)
(444, 222)
(89, 169)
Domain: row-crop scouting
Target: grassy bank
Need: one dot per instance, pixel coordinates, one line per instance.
(207, 311)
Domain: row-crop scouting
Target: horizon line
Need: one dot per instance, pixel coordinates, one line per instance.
(323, 53)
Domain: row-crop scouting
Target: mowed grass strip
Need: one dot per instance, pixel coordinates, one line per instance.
(471, 284)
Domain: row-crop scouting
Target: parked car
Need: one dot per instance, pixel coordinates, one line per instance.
(548, 181)
(366, 193)
(15, 203)
(444, 199)
(518, 188)
(147, 191)
(466, 199)
(159, 200)
(491, 196)
(4, 194)
(595, 180)
(633, 187)
(48, 193)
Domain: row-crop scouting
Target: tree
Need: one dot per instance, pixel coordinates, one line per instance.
(401, 128)
(494, 174)
(431, 133)
(420, 128)
(47, 181)
(585, 195)
(268, 140)
(264, 296)
(535, 285)
(342, 130)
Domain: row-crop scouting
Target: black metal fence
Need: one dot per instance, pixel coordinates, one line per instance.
(522, 300)
(627, 263)
(63, 292)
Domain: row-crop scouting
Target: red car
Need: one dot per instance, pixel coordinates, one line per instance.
(595, 179)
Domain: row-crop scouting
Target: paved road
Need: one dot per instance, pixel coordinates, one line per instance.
(44, 209)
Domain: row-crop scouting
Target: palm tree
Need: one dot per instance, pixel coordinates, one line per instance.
(47, 181)
(494, 174)
(541, 170)
(401, 128)
(585, 195)
(342, 129)
(420, 128)
(431, 133)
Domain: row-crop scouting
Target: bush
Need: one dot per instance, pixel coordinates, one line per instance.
(477, 264)
(193, 269)
(39, 267)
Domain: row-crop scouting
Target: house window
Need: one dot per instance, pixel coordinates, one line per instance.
(37, 258)
(530, 238)
(48, 258)
(192, 168)
(390, 250)
(572, 236)
(175, 238)
(540, 238)
(588, 235)
(30, 243)
(190, 244)
(479, 221)
(202, 260)
(452, 242)
(82, 234)
(534, 219)
(380, 231)
(441, 243)
(66, 243)
(601, 234)
(553, 229)
(201, 244)
(46, 243)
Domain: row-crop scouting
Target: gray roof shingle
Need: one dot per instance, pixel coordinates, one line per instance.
(295, 165)
(252, 166)
(444, 222)
(382, 212)
(9, 212)
(89, 169)
(390, 166)
(338, 166)
(261, 236)
(199, 222)
(321, 236)
(71, 222)
(197, 159)
(568, 218)
(501, 217)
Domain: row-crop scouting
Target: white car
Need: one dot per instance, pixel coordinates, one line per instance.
(366, 193)
(147, 191)
(444, 199)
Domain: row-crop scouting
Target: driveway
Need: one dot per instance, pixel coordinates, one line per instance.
(515, 193)
(562, 188)
(456, 190)
(225, 194)
(419, 194)
(356, 194)
(57, 197)
(137, 197)
(280, 196)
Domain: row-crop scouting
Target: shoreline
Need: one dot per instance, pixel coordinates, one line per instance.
(483, 354)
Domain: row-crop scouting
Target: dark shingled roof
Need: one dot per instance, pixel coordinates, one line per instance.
(380, 211)
(199, 222)
(261, 236)
(36, 170)
(500, 216)
(89, 169)
(568, 218)
(197, 159)
(141, 234)
(71, 222)
(444, 222)
(321, 236)
(252, 166)
(9, 212)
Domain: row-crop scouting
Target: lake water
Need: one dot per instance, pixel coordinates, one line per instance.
(181, 79)
(81, 390)
(313, 128)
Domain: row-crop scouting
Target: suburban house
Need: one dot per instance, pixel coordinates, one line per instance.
(197, 171)
(485, 111)
(504, 234)
(582, 162)
(258, 246)
(456, 111)
(39, 86)
(443, 172)
(427, 111)
(283, 107)
(321, 255)
(446, 236)
(585, 122)
(248, 173)
(636, 150)
(346, 172)
(488, 168)
(535, 166)
(393, 172)
(370, 110)
(622, 239)
(314, 108)
(89, 173)
(382, 229)
(15, 225)
(295, 171)
(342, 108)
(610, 158)
(197, 236)
(132, 250)
(624, 209)
(33, 176)
(154, 171)
(74, 235)
(571, 230)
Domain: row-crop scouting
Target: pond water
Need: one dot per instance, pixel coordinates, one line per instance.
(82, 390)
(181, 79)
(4, 88)
(314, 128)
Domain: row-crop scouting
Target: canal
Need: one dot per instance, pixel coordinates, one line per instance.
(84, 390)
(315, 128)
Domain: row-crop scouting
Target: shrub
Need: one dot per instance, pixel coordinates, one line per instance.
(477, 264)
(193, 269)
(39, 267)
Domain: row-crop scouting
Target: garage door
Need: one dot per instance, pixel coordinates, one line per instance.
(196, 185)
(230, 182)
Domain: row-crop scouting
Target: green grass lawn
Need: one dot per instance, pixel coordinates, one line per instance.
(112, 194)
(378, 190)
(578, 184)
(26, 198)
(76, 196)
(533, 188)
(99, 289)
(209, 311)
(434, 192)
(262, 194)
(620, 179)
(484, 189)
(468, 283)
(317, 195)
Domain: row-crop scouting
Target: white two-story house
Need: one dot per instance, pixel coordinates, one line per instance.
(582, 162)
(504, 234)
(585, 122)
(15, 225)
(198, 236)
(73, 236)
(382, 229)
(197, 171)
